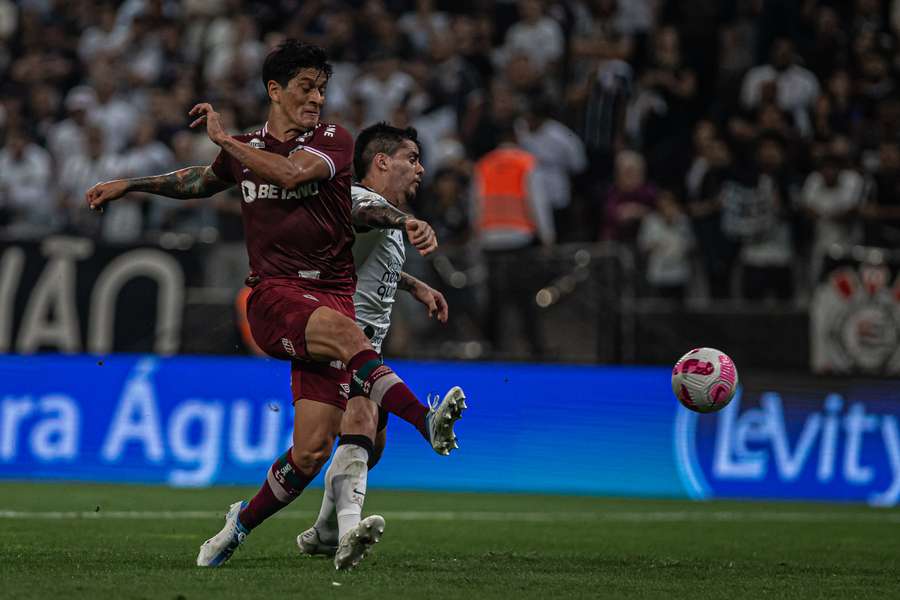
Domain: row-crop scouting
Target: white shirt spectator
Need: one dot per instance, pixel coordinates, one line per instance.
(117, 119)
(419, 28)
(26, 184)
(830, 203)
(382, 96)
(154, 157)
(667, 244)
(560, 153)
(97, 40)
(796, 88)
(541, 42)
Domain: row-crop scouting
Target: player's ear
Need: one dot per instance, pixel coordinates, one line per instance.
(274, 89)
(381, 161)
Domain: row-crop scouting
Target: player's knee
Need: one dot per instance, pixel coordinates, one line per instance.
(311, 460)
(361, 417)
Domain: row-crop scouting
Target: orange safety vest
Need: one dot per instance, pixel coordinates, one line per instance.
(502, 176)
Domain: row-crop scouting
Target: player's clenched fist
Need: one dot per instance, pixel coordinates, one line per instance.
(206, 113)
(421, 235)
(105, 192)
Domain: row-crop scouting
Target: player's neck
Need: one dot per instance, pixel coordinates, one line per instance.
(282, 129)
(380, 187)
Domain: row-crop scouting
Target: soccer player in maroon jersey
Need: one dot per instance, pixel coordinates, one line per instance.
(294, 175)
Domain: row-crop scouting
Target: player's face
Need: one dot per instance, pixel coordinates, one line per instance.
(406, 170)
(303, 97)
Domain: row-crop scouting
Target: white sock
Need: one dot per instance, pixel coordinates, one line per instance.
(346, 480)
(326, 524)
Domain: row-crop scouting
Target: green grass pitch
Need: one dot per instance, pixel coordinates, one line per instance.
(103, 541)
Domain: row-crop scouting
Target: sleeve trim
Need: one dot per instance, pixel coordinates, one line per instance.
(324, 157)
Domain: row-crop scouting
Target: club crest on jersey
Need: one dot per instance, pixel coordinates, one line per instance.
(256, 143)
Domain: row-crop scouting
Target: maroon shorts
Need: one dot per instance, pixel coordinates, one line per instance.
(278, 311)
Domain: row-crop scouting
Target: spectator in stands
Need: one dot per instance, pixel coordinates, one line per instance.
(755, 214)
(535, 35)
(664, 107)
(881, 210)
(80, 171)
(68, 137)
(832, 196)
(27, 199)
(711, 167)
(424, 25)
(113, 113)
(560, 154)
(383, 87)
(512, 216)
(666, 240)
(792, 87)
(629, 198)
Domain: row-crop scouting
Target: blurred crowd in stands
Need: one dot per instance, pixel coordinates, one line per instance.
(728, 144)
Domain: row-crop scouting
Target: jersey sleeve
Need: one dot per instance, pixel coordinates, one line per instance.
(334, 145)
(221, 167)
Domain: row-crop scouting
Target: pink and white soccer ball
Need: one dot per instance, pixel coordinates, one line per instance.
(704, 380)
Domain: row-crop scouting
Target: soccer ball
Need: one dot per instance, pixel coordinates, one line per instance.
(704, 380)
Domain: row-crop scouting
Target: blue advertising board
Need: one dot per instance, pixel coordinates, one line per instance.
(196, 421)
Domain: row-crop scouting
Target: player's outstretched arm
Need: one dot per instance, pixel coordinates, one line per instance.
(287, 172)
(191, 182)
(433, 300)
(378, 215)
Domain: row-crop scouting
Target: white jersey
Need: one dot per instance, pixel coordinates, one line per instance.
(379, 255)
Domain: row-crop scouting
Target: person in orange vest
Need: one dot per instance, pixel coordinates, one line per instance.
(512, 216)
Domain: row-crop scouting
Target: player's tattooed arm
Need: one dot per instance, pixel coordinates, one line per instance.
(433, 300)
(192, 182)
(407, 282)
(378, 215)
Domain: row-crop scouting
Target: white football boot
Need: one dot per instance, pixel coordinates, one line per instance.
(312, 542)
(441, 417)
(221, 546)
(357, 542)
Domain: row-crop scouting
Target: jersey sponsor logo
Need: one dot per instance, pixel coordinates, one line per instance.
(248, 191)
(252, 191)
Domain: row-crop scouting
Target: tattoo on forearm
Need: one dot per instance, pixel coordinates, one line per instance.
(407, 282)
(369, 213)
(192, 182)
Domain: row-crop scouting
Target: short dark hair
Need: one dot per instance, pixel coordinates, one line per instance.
(380, 138)
(290, 57)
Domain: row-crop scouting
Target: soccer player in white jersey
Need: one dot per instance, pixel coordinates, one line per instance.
(386, 160)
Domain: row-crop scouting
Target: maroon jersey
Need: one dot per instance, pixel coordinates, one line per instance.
(305, 233)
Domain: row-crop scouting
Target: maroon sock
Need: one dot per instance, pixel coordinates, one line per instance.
(377, 381)
(283, 483)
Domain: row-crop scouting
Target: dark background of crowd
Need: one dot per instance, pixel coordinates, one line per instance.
(729, 144)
